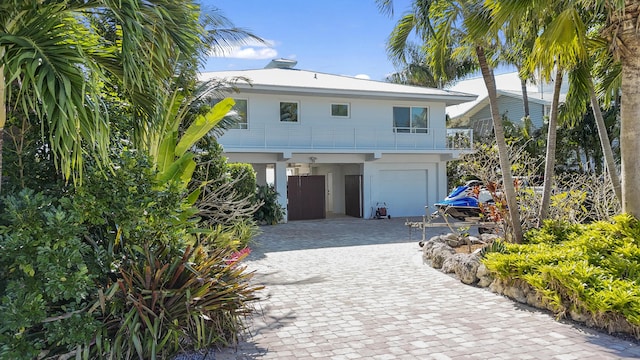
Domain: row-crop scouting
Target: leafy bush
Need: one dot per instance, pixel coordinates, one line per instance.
(236, 237)
(590, 269)
(47, 279)
(496, 246)
(117, 269)
(270, 212)
(246, 187)
(167, 299)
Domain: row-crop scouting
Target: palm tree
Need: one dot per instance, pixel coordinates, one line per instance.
(460, 29)
(415, 65)
(566, 36)
(582, 92)
(53, 63)
(57, 57)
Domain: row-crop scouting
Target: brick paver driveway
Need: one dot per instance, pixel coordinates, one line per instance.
(357, 289)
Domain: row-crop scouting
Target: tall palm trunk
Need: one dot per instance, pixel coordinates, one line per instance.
(605, 142)
(3, 116)
(503, 152)
(550, 160)
(629, 124)
(525, 96)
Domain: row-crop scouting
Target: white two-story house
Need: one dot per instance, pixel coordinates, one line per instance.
(342, 145)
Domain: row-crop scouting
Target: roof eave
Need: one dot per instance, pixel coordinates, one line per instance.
(449, 99)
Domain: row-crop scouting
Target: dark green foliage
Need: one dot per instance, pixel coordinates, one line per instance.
(25, 161)
(117, 269)
(590, 269)
(211, 164)
(47, 277)
(128, 207)
(270, 212)
(246, 187)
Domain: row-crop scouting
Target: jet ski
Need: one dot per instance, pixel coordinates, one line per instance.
(464, 201)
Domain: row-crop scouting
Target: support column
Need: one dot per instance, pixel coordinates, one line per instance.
(261, 173)
(367, 179)
(281, 185)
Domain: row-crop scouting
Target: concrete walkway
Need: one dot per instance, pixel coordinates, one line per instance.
(357, 289)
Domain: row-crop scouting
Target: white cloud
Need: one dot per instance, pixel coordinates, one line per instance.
(253, 53)
(249, 50)
(363, 76)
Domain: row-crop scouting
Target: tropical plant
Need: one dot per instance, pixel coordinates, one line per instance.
(53, 63)
(623, 43)
(270, 211)
(75, 270)
(461, 29)
(590, 270)
(416, 68)
(167, 299)
(47, 279)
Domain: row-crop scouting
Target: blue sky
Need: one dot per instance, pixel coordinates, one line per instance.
(345, 37)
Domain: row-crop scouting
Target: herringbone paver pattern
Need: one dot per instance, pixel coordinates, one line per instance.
(357, 289)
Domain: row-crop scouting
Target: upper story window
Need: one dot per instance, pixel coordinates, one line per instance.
(240, 114)
(289, 111)
(340, 110)
(410, 119)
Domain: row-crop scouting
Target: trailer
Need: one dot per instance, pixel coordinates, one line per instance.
(427, 222)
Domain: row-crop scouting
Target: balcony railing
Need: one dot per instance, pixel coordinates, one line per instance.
(317, 138)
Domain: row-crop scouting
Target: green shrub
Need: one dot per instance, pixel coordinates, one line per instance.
(117, 269)
(270, 212)
(246, 187)
(496, 246)
(592, 269)
(168, 299)
(236, 237)
(47, 278)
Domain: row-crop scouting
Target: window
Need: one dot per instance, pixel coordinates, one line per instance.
(410, 119)
(289, 111)
(239, 113)
(340, 110)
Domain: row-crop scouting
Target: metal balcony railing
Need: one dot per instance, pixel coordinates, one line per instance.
(318, 137)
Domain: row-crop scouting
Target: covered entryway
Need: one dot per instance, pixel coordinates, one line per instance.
(353, 197)
(306, 197)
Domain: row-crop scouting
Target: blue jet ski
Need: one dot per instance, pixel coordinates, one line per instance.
(464, 201)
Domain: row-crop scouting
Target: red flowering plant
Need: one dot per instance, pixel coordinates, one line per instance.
(238, 255)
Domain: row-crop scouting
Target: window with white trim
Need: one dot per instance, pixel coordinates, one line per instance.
(410, 119)
(289, 111)
(239, 114)
(341, 110)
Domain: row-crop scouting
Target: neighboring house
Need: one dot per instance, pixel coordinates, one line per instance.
(477, 114)
(342, 145)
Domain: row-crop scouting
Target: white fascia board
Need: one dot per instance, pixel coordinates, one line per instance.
(448, 99)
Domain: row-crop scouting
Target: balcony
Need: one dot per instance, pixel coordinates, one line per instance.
(323, 138)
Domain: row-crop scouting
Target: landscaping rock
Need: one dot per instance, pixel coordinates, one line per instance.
(484, 276)
(449, 264)
(451, 236)
(440, 253)
(474, 240)
(467, 267)
(576, 315)
(488, 238)
(454, 243)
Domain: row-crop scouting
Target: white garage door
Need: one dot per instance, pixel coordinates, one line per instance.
(404, 191)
